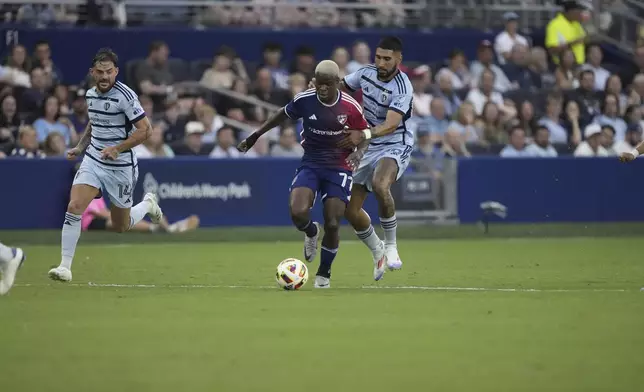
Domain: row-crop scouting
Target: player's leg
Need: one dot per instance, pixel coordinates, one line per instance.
(119, 185)
(334, 209)
(11, 260)
(301, 199)
(85, 188)
(361, 223)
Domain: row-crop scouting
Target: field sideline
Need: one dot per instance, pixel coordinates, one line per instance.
(523, 314)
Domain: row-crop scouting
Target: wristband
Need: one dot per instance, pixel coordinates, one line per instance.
(367, 133)
(635, 153)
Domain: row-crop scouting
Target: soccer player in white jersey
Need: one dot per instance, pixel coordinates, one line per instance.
(384, 149)
(117, 124)
(10, 260)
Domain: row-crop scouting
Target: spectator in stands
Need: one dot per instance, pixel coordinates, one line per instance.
(539, 65)
(147, 104)
(485, 60)
(490, 125)
(51, 121)
(612, 146)
(32, 98)
(9, 118)
(566, 71)
(633, 116)
(296, 84)
(27, 146)
(485, 93)
(594, 63)
(341, 57)
(211, 122)
(54, 145)
(518, 72)
(508, 38)
(456, 70)
(614, 86)
(527, 119)
(437, 122)
(565, 32)
(610, 116)
(516, 148)
(572, 123)
(265, 90)
(552, 120)
(453, 144)
(630, 70)
(79, 116)
(19, 60)
(42, 59)
(464, 123)
(220, 75)
(591, 146)
(541, 147)
(272, 54)
(153, 75)
(421, 80)
(225, 146)
(153, 146)
(361, 56)
(175, 123)
(62, 93)
(446, 92)
(193, 141)
(287, 147)
(586, 97)
(633, 135)
(304, 62)
(638, 86)
(252, 112)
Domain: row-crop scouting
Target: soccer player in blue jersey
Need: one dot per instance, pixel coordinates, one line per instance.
(10, 260)
(383, 150)
(324, 172)
(117, 124)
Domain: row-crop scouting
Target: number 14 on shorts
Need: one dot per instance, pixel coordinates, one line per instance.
(124, 190)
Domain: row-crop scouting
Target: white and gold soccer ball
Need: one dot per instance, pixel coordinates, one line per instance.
(292, 274)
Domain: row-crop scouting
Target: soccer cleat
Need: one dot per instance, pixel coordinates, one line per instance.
(311, 245)
(393, 259)
(322, 283)
(379, 262)
(154, 212)
(61, 274)
(10, 269)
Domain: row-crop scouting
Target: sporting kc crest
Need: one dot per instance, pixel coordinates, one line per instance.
(342, 118)
(107, 105)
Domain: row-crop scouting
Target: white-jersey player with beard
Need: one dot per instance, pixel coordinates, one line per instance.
(117, 124)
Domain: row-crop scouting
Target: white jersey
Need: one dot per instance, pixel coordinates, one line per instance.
(112, 115)
(380, 97)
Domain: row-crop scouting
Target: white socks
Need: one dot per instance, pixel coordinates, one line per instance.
(138, 212)
(389, 225)
(5, 254)
(370, 238)
(71, 234)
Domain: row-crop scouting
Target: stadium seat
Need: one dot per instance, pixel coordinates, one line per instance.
(198, 67)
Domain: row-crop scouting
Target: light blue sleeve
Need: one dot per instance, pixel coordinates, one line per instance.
(352, 81)
(402, 99)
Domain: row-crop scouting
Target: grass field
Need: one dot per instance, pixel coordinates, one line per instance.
(166, 317)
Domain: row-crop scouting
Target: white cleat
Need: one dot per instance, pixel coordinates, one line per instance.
(322, 283)
(154, 212)
(10, 269)
(379, 262)
(393, 259)
(311, 245)
(61, 274)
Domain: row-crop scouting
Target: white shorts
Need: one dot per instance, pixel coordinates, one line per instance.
(118, 182)
(398, 152)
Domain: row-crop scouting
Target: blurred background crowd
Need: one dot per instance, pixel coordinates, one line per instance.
(513, 98)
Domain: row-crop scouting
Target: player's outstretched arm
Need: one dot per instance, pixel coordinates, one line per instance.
(356, 137)
(274, 120)
(140, 134)
(83, 143)
(634, 153)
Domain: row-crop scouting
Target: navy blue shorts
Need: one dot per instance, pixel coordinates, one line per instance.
(325, 183)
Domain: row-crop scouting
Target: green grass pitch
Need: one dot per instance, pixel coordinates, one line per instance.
(182, 327)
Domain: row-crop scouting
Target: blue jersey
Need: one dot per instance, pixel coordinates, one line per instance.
(380, 97)
(323, 127)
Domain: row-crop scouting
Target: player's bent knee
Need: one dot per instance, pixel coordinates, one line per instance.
(381, 187)
(332, 225)
(75, 207)
(299, 212)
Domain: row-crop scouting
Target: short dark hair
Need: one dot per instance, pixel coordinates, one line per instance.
(610, 127)
(226, 51)
(41, 42)
(304, 51)
(272, 47)
(516, 128)
(156, 45)
(586, 72)
(391, 43)
(105, 54)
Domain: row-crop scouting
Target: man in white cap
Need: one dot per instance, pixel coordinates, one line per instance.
(591, 146)
(505, 41)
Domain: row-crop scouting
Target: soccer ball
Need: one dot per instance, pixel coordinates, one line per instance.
(292, 274)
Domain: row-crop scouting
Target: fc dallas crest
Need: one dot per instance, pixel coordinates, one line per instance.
(342, 118)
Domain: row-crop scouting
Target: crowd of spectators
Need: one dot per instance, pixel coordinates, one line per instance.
(513, 99)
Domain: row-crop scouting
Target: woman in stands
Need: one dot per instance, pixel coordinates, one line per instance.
(154, 147)
(566, 72)
(552, 120)
(54, 145)
(491, 125)
(51, 121)
(526, 117)
(464, 123)
(614, 86)
(611, 116)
